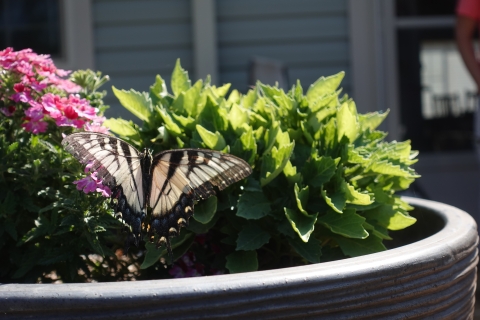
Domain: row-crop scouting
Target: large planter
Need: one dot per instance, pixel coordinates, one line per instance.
(432, 273)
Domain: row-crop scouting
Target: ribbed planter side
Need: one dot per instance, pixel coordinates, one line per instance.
(434, 277)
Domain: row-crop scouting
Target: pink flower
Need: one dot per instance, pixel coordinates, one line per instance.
(49, 102)
(35, 113)
(88, 166)
(33, 83)
(95, 128)
(35, 127)
(87, 184)
(92, 183)
(104, 190)
(22, 93)
(66, 122)
(68, 86)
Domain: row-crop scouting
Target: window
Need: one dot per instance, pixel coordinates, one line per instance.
(31, 24)
(61, 28)
(437, 94)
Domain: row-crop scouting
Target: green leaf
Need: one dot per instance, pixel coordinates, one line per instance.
(377, 230)
(180, 81)
(159, 89)
(205, 210)
(92, 239)
(213, 117)
(270, 137)
(185, 122)
(317, 119)
(12, 147)
(137, 103)
(389, 217)
(356, 197)
(349, 224)
(122, 127)
(323, 86)
(242, 261)
(328, 137)
(302, 224)
(237, 117)
(170, 125)
(201, 228)
(301, 196)
(310, 251)
(319, 170)
(291, 174)
(190, 99)
(347, 124)
(388, 168)
(274, 162)
(253, 205)
(246, 146)
(221, 91)
(359, 247)
(153, 254)
(252, 237)
(283, 101)
(372, 120)
(212, 140)
(336, 201)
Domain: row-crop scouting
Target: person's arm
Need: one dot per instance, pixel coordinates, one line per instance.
(464, 31)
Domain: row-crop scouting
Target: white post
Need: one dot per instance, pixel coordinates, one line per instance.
(77, 35)
(204, 25)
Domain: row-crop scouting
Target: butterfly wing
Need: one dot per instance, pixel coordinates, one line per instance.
(119, 165)
(180, 177)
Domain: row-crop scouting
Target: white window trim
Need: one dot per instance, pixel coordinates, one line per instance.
(77, 35)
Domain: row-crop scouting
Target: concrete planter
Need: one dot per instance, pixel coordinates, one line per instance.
(431, 274)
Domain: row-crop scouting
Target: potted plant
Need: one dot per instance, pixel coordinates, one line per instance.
(322, 189)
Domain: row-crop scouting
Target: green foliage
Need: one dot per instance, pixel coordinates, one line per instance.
(323, 182)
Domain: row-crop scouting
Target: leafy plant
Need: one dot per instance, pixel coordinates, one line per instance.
(49, 230)
(323, 183)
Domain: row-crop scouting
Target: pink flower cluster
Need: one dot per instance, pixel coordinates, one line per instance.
(32, 74)
(26, 83)
(92, 183)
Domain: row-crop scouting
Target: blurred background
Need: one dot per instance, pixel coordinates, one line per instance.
(397, 54)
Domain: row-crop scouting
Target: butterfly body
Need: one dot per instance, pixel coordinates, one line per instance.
(156, 192)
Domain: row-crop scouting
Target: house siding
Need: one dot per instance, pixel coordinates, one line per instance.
(136, 40)
(309, 36)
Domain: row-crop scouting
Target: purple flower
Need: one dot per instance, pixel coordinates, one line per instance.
(87, 184)
(92, 183)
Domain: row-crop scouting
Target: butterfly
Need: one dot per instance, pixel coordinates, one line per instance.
(169, 183)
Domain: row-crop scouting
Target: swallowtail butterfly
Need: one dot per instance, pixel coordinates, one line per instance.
(168, 183)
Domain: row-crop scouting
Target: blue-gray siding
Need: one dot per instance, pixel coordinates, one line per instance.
(136, 40)
(309, 36)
